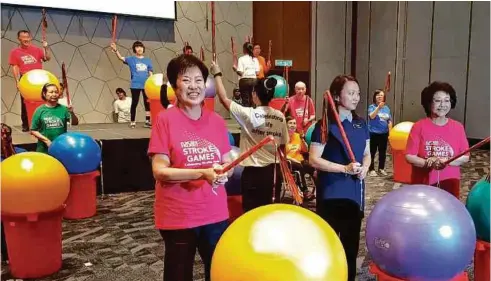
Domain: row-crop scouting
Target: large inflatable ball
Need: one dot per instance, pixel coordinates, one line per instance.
(152, 86)
(279, 242)
(281, 89)
(478, 205)
(399, 134)
(210, 90)
(78, 152)
(420, 232)
(308, 133)
(33, 182)
(32, 82)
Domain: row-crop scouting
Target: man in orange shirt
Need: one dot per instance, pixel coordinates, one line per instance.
(264, 66)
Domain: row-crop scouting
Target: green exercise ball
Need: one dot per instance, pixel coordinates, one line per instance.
(308, 134)
(281, 89)
(478, 206)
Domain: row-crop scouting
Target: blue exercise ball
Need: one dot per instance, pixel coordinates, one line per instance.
(78, 152)
(231, 139)
(17, 151)
(420, 232)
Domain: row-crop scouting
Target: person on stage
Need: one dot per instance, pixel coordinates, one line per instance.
(24, 58)
(141, 68)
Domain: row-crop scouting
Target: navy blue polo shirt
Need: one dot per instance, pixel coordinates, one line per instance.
(340, 185)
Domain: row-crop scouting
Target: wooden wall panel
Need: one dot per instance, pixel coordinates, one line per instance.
(288, 25)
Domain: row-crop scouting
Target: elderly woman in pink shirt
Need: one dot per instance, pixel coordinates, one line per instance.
(435, 139)
(188, 142)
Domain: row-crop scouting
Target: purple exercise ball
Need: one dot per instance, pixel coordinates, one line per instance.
(420, 232)
(210, 90)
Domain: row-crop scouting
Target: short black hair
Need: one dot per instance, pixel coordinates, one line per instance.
(378, 91)
(289, 118)
(180, 64)
(22, 31)
(120, 90)
(429, 91)
(264, 89)
(187, 47)
(44, 90)
(138, 44)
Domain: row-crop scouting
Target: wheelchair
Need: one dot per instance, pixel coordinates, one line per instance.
(297, 175)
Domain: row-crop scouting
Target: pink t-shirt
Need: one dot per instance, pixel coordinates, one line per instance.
(190, 144)
(427, 139)
(27, 59)
(296, 106)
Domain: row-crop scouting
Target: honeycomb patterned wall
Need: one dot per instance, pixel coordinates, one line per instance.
(81, 40)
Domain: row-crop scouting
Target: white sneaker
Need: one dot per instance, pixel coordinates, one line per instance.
(372, 173)
(383, 172)
(133, 125)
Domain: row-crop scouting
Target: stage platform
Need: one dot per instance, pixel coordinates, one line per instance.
(125, 164)
(110, 131)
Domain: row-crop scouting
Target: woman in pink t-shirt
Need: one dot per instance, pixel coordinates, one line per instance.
(187, 144)
(435, 139)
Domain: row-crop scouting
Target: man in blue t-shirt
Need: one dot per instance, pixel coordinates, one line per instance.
(141, 68)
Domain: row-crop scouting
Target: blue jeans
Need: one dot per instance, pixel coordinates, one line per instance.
(180, 249)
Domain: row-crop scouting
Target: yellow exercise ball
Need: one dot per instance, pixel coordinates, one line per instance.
(279, 242)
(32, 82)
(153, 85)
(399, 134)
(171, 95)
(33, 182)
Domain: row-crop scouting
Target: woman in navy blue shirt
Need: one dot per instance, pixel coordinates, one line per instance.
(141, 68)
(340, 189)
(379, 124)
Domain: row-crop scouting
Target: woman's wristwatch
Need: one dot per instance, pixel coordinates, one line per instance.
(218, 74)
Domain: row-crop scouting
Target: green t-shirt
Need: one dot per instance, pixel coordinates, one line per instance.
(50, 122)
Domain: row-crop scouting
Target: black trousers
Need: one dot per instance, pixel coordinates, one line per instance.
(180, 249)
(246, 86)
(135, 98)
(257, 186)
(344, 216)
(23, 114)
(5, 254)
(304, 168)
(378, 142)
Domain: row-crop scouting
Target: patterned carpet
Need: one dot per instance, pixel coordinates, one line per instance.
(120, 242)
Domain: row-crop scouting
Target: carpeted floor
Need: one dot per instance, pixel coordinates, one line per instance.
(121, 244)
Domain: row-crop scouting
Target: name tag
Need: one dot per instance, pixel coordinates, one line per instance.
(357, 126)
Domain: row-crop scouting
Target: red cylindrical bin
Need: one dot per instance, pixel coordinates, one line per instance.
(382, 276)
(234, 207)
(82, 199)
(34, 243)
(210, 103)
(155, 108)
(277, 103)
(31, 107)
(402, 169)
(481, 261)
